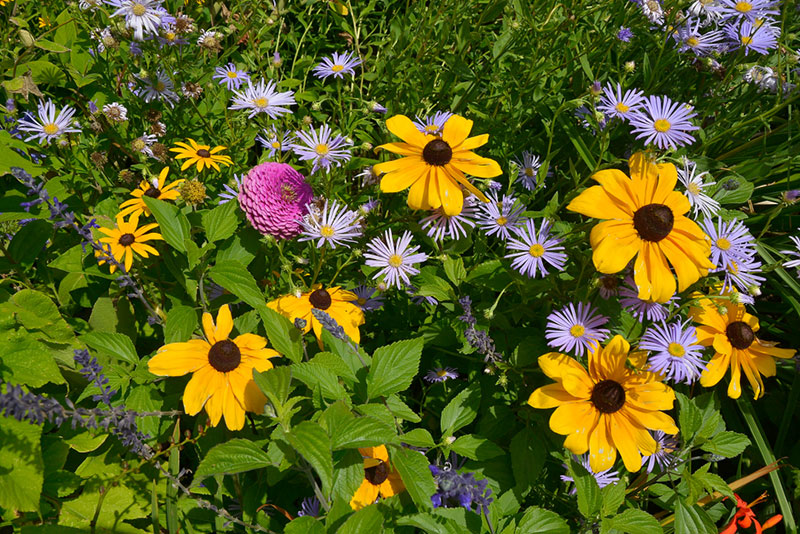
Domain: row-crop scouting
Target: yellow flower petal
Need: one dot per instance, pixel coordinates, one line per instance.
(364, 495)
(456, 130)
(404, 128)
(178, 359)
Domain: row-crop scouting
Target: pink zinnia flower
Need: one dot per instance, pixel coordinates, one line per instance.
(274, 198)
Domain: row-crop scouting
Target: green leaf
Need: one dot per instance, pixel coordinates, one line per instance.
(701, 481)
(28, 242)
(181, 323)
(400, 409)
(50, 46)
(283, 336)
(117, 346)
(304, 524)
(540, 521)
(362, 432)
(367, 520)
(613, 497)
(690, 418)
(36, 311)
(527, 457)
(476, 448)
(461, 410)
(418, 437)
(311, 441)
(235, 277)
(416, 475)
(173, 225)
(26, 361)
(221, 222)
(635, 521)
(21, 465)
(692, 519)
(234, 456)
(275, 384)
(454, 269)
(727, 444)
(315, 376)
(393, 367)
(589, 501)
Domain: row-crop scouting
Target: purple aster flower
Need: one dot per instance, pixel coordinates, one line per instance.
(742, 274)
(274, 141)
(337, 66)
(746, 10)
(664, 457)
(695, 186)
(689, 37)
(439, 225)
(534, 249)
(135, 49)
(333, 225)
(730, 241)
(609, 286)
(413, 292)
(791, 196)
(440, 374)
(624, 34)
(433, 124)
(641, 309)
(499, 217)
(309, 507)
(49, 126)
(263, 98)
(663, 122)
(230, 193)
(796, 253)
(367, 299)
(529, 170)
(376, 108)
(652, 10)
(454, 489)
(157, 87)
(142, 16)
(144, 143)
(760, 38)
(231, 76)
(369, 206)
(497, 186)
(396, 259)
(603, 478)
(570, 329)
(170, 37)
(706, 9)
(588, 118)
(674, 351)
(92, 107)
(320, 147)
(762, 77)
(615, 104)
(276, 60)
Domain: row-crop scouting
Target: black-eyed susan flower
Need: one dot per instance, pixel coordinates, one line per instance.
(157, 188)
(202, 155)
(433, 167)
(335, 301)
(733, 336)
(380, 478)
(222, 370)
(607, 409)
(127, 239)
(645, 219)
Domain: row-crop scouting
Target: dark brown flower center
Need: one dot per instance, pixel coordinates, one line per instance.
(609, 282)
(608, 396)
(203, 153)
(224, 356)
(740, 334)
(153, 192)
(653, 222)
(126, 240)
(377, 474)
(437, 152)
(320, 299)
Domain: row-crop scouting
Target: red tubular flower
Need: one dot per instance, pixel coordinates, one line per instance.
(745, 517)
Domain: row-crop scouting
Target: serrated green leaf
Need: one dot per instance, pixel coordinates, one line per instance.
(50, 46)
(316, 375)
(454, 269)
(690, 418)
(527, 457)
(401, 410)
(362, 432)
(476, 448)
(539, 521)
(418, 437)
(220, 223)
(283, 336)
(234, 456)
(634, 521)
(692, 520)
(367, 520)
(613, 496)
(416, 475)
(27, 244)
(310, 440)
(172, 224)
(275, 384)
(117, 346)
(304, 524)
(589, 500)
(393, 367)
(727, 444)
(181, 323)
(461, 410)
(21, 465)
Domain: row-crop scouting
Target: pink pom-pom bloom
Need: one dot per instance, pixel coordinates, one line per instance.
(274, 197)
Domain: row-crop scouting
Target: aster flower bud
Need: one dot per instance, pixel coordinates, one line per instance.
(27, 39)
(596, 89)
(307, 120)
(316, 106)
(754, 291)
(629, 66)
(193, 192)
(99, 158)
(449, 440)
(366, 146)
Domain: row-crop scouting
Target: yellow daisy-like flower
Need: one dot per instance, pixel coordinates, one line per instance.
(433, 166)
(645, 218)
(608, 408)
(334, 301)
(126, 239)
(733, 336)
(157, 189)
(380, 478)
(222, 368)
(202, 155)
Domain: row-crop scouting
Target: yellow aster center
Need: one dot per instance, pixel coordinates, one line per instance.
(693, 188)
(232, 74)
(276, 144)
(170, 36)
(261, 102)
(743, 7)
(138, 144)
(322, 149)
(138, 10)
(692, 41)
(621, 107)
(537, 250)
(529, 172)
(577, 330)
(361, 301)
(662, 125)
(431, 128)
(746, 40)
(326, 231)
(337, 68)
(50, 128)
(733, 268)
(395, 260)
(676, 349)
(160, 86)
(441, 372)
(723, 244)
(501, 221)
